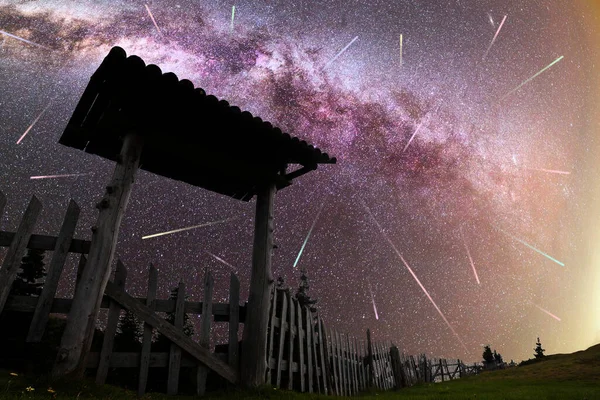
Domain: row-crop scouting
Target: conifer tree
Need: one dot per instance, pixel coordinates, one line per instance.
(488, 356)
(31, 273)
(302, 293)
(539, 352)
(128, 332)
(162, 343)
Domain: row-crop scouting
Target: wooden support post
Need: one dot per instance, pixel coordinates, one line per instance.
(12, 260)
(370, 359)
(254, 343)
(80, 267)
(42, 310)
(77, 336)
(147, 336)
(271, 347)
(175, 353)
(205, 322)
(234, 321)
(114, 313)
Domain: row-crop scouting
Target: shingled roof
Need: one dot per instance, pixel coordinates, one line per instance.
(188, 135)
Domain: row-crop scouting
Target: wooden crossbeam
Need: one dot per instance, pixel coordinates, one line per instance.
(46, 243)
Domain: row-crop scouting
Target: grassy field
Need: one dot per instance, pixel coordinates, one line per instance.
(563, 376)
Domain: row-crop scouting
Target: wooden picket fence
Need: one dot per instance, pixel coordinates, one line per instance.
(302, 354)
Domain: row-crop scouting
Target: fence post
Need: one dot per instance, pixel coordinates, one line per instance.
(205, 322)
(325, 373)
(114, 313)
(234, 322)
(271, 345)
(44, 304)
(147, 337)
(292, 336)
(12, 260)
(283, 325)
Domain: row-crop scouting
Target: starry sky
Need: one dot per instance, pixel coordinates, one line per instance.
(463, 206)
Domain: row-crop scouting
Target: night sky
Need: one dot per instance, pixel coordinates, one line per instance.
(448, 172)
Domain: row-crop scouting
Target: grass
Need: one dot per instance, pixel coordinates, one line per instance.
(562, 376)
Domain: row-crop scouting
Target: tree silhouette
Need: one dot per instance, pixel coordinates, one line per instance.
(498, 358)
(539, 352)
(488, 356)
(128, 333)
(302, 293)
(28, 281)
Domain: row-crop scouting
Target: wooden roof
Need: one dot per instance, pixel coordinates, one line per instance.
(188, 135)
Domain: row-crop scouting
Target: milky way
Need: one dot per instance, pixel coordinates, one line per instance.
(432, 137)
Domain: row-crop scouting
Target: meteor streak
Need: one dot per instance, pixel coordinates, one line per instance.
(57, 176)
(552, 171)
(339, 54)
(373, 300)
(32, 124)
(232, 17)
(533, 77)
(385, 236)
(190, 227)
(470, 258)
(531, 247)
(495, 36)
(413, 135)
(547, 312)
(308, 236)
(152, 18)
(400, 49)
(222, 261)
(23, 40)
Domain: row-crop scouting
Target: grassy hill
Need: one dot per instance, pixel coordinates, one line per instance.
(561, 376)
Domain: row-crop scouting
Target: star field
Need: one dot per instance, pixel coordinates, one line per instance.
(486, 169)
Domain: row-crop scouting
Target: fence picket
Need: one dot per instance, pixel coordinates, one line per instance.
(270, 358)
(205, 322)
(175, 353)
(310, 348)
(282, 328)
(111, 327)
(324, 357)
(147, 336)
(292, 338)
(301, 337)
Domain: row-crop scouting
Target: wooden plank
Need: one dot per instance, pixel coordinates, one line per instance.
(80, 267)
(370, 360)
(334, 362)
(16, 250)
(46, 242)
(177, 337)
(271, 346)
(353, 363)
(59, 256)
(282, 328)
(147, 336)
(324, 359)
(234, 321)
(253, 364)
(347, 367)
(359, 355)
(205, 320)
(292, 338)
(114, 313)
(310, 347)
(341, 370)
(301, 345)
(81, 321)
(175, 352)
(133, 360)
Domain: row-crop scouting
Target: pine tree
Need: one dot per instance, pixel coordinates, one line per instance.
(539, 352)
(162, 343)
(302, 293)
(488, 356)
(128, 333)
(29, 278)
(498, 358)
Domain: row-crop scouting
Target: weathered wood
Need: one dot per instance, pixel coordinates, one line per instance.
(283, 325)
(370, 360)
(341, 369)
(352, 352)
(324, 358)
(80, 267)
(254, 343)
(310, 347)
(360, 365)
(271, 335)
(234, 321)
(114, 313)
(81, 321)
(301, 337)
(133, 360)
(334, 362)
(147, 336)
(46, 242)
(175, 352)
(12, 259)
(347, 367)
(205, 320)
(292, 337)
(59, 256)
(173, 334)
